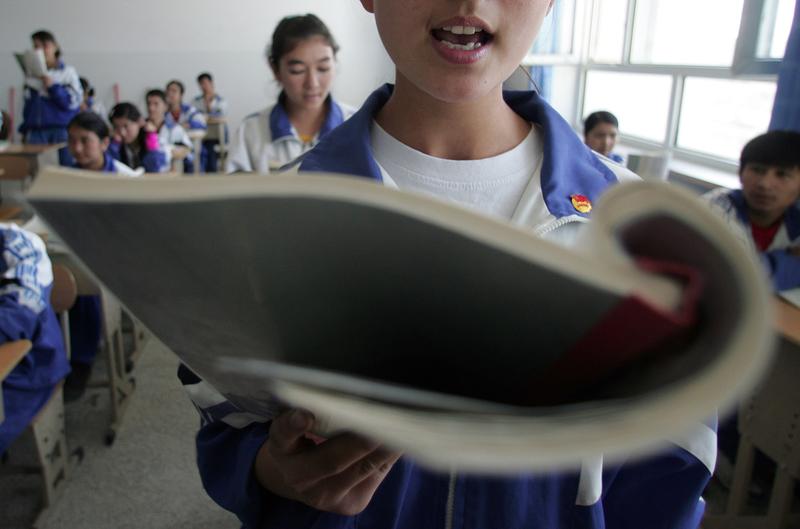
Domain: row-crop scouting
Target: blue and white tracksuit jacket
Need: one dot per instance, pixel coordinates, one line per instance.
(267, 140)
(783, 267)
(190, 118)
(661, 491)
(110, 165)
(26, 278)
(54, 107)
(217, 109)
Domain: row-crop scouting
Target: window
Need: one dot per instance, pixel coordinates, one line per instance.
(763, 33)
(679, 32)
(776, 23)
(640, 101)
(718, 116)
(608, 35)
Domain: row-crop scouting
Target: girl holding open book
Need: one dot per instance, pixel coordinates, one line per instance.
(447, 129)
(51, 100)
(302, 57)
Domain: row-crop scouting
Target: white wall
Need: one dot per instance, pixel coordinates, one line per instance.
(144, 43)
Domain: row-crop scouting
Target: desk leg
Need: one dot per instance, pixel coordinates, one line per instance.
(198, 149)
(741, 477)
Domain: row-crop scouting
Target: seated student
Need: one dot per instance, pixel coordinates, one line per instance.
(26, 314)
(89, 101)
(302, 57)
(766, 210)
(50, 102)
(212, 105)
(430, 133)
(170, 133)
(135, 142)
(88, 141)
(184, 115)
(600, 133)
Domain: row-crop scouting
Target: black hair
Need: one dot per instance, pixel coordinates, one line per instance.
(90, 121)
(178, 84)
(776, 148)
(156, 92)
(596, 118)
(45, 36)
(293, 29)
(5, 128)
(87, 87)
(205, 75)
(130, 112)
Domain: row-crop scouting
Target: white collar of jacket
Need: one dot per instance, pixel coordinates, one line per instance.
(281, 127)
(568, 168)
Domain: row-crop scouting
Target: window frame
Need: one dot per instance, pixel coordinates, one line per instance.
(584, 30)
(745, 59)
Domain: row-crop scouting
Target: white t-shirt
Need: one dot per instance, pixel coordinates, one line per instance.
(492, 185)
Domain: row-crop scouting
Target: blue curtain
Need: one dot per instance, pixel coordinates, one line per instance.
(786, 111)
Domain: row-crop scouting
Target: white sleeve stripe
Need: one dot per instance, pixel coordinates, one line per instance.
(204, 395)
(590, 485)
(701, 442)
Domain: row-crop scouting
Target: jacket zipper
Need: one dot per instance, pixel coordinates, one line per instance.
(451, 499)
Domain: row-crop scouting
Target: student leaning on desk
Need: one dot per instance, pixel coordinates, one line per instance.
(25, 314)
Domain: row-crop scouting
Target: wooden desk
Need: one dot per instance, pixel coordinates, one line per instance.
(216, 131)
(787, 320)
(8, 213)
(179, 154)
(11, 353)
(21, 162)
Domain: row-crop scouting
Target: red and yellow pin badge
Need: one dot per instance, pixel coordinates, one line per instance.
(581, 203)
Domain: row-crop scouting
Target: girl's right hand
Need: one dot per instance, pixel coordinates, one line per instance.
(337, 475)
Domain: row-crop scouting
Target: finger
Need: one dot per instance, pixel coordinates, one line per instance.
(332, 457)
(349, 492)
(287, 432)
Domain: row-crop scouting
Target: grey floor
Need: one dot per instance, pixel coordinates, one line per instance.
(147, 478)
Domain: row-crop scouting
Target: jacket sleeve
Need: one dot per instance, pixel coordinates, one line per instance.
(155, 160)
(67, 95)
(238, 158)
(663, 490)
(784, 269)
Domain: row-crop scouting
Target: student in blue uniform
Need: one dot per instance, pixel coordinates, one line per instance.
(302, 56)
(52, 100)
(88, 142)
(185, 115)
(213, 106)
(767, 207)
(600, 130)
(90, 102)
(135, 142)
(26, 314)
(170, 133)
(446, 128)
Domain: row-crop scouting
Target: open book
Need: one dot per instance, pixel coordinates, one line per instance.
(462, 340)
(32, 63)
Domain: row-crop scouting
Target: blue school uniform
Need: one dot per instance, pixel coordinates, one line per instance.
(153, 161)
(47, 112)
(25, 314)
(660, 491)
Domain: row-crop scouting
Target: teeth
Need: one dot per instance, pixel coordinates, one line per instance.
(462, 30)
(464, 47)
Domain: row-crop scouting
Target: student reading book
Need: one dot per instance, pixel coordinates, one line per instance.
(51, 99)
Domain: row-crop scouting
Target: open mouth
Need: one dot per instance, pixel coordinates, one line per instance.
(464, 38)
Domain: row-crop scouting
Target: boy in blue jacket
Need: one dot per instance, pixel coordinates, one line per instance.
(767, 207)
(446, 128)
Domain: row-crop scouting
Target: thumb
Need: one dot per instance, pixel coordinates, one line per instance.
(288, 430)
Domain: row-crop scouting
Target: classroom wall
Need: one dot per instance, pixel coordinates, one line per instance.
(142, 44)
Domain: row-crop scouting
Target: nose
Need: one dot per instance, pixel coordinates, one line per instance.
(312, 80)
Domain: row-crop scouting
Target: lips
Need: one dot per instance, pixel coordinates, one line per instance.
(462, 40)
